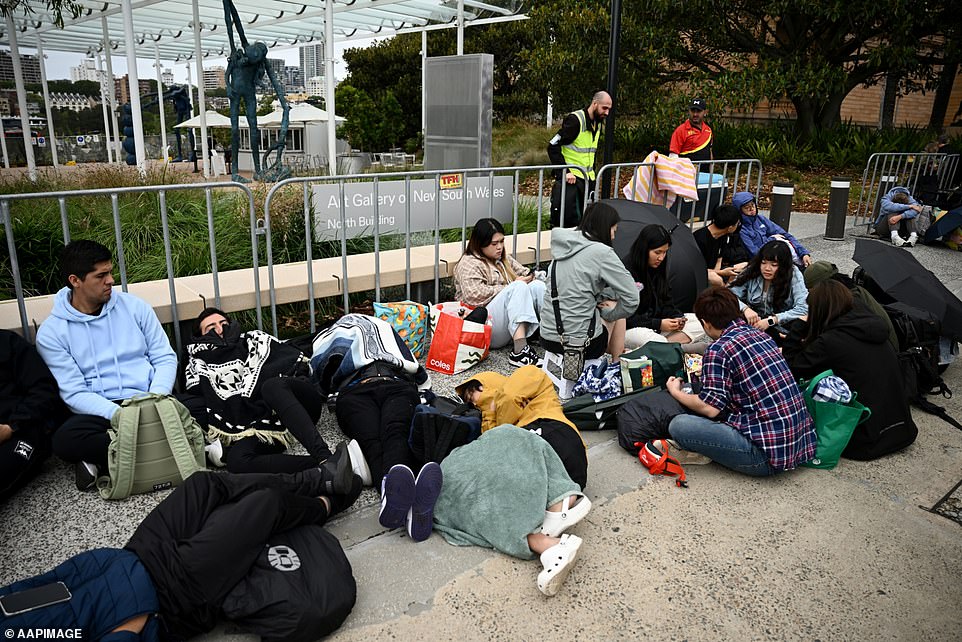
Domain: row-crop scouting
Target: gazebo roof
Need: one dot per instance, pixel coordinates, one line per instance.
(168, 24)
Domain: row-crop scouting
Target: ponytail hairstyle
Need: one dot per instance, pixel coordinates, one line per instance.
(597, 222)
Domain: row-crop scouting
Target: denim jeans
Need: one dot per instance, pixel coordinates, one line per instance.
(722, 443)
(517, 303)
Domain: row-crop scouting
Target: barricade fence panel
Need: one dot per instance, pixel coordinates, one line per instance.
(716, 181)
(926, 175)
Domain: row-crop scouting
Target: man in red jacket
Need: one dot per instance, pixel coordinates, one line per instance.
(693, 138)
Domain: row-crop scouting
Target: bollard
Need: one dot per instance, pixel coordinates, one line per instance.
(781, 212)
(837, 209)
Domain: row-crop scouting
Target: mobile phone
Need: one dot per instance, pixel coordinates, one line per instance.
(34, 598)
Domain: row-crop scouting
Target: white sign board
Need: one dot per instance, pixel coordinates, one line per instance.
(426, 195)
(81, 140)
(42, 141)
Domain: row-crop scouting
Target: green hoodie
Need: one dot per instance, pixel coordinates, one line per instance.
(587, 272)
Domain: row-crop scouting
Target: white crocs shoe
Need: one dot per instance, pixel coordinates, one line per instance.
(558, 562)
(557, 522)
(359, 463)
(215, 453)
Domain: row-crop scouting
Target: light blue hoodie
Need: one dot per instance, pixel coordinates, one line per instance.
(115, 355)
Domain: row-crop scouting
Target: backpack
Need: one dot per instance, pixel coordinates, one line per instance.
(646, 417)
(300, 588)
(440, 426)
(587, 414)
(155, 444)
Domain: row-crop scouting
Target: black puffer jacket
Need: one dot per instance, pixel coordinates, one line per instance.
(856, 348)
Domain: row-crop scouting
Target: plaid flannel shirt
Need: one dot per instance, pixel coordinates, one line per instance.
(477, 281)
(745, 377)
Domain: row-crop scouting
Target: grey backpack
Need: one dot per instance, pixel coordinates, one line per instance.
(155, 444)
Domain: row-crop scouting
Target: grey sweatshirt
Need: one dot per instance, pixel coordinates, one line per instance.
(587, 272)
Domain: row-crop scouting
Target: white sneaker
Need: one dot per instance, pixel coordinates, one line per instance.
(359, 463)
(558, 562)
(913, 237)
(897, 240)
(557, 522)
(215, 453)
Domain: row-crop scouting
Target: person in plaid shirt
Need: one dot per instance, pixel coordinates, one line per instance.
(750, 415)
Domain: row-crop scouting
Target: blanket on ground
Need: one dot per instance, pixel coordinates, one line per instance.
(496, 490)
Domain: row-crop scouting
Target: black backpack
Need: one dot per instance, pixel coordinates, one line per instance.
(440, 426)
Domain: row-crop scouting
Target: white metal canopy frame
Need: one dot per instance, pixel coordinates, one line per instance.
(165, 29)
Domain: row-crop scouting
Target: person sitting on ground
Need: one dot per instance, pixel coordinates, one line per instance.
(847, 338)
(257, 396)
(367, 365)
(30, 411)
(509, 491)
(527, 399)
(749, 415)
(488, 276)
(771, 291)
(898, 214)
(592, 283)
(821, 271)
(721, 245)
(657, 317)
(102, 347)
(757, 230)
(185, 560)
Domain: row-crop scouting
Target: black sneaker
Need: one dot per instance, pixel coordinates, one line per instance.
(86, 475)
(337, 472)
(526, 357)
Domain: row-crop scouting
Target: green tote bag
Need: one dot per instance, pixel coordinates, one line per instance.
(834, 423)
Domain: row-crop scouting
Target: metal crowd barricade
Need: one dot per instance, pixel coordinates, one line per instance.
(725, 177)
(9, 201)
(312, 210)
(883, 171)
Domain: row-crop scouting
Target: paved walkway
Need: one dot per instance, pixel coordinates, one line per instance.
(848, 554)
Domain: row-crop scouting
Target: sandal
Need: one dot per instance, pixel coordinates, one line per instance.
(557, 522)
(558, 562)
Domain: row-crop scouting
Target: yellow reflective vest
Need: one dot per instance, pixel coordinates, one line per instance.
(581, 151)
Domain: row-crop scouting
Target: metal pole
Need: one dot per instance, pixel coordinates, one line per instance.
(781, 212)
(201, 97)
(837, 209)
(108, 59)
(613, 50)
(160, 106)
(460, 27)
(103, 106)
(329, 92)
(46, 101)
(549, 113)
(424, 62)
(21, 98)
(3, 146)
(134, 86)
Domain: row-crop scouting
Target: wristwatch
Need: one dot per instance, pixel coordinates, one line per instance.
(771, 321)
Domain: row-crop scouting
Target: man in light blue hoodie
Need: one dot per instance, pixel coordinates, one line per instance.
(102, 347)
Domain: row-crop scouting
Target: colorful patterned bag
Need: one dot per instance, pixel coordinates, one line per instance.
(410, 320)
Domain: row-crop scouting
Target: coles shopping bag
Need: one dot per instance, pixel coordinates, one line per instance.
(410, 320)
(456, 344)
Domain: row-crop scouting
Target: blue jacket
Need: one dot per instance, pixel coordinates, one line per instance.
(757, 230)
(796, 305)
(888, 208)
(108, 586)
(115, 355)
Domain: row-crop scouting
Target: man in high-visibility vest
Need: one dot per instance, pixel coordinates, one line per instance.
(575, 144)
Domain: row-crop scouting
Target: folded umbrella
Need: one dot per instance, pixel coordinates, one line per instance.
(901, 276)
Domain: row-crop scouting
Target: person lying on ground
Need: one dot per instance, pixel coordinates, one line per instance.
(488, 276)
(595, 290)
(367, 365)
(721, 245)
(509, 491)
(527, 399)
(30, 411)
(256, 396)
(657, 318)
(898, 214)
(771, 291)
(749, 415)
(172, 578)
(102, 347)
(757, 230)
(843, 336)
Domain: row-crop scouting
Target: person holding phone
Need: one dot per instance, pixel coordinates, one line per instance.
(771, 290)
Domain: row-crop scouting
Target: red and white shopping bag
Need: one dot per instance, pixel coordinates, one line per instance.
(456, 344)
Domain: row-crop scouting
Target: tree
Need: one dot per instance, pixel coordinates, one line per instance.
(56, 7)
(392, 124)
(362, 124)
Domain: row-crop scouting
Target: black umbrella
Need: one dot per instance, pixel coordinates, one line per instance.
(906, 280)
(687, 274)
(944, 226)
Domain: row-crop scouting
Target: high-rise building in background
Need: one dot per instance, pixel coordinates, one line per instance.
(121, 88)
(293, 78)
(315, 86)
(86, 70)
(214, 78)
(29, 64)
(312, 61)
(277, 65)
